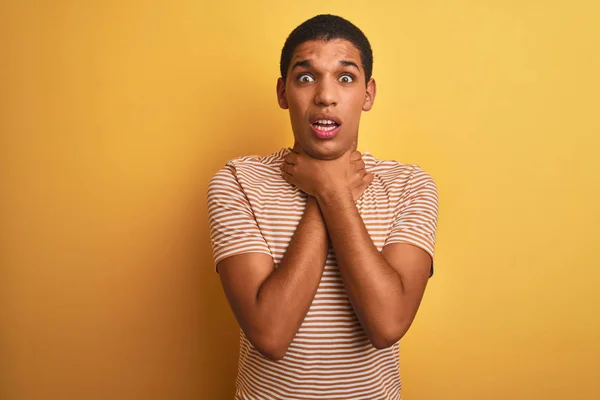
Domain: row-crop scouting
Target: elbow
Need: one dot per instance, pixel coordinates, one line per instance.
(381, 342)
(272, 353)
(387, 336)
(269, 346)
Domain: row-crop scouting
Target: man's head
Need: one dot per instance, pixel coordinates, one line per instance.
(327, 27)
(326, 83)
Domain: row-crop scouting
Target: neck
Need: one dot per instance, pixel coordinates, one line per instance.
(299, 149)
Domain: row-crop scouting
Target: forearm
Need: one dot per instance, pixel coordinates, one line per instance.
(285, 296)
(374, 287)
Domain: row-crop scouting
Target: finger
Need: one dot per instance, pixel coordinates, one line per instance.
(286, 168)
(291, 158)
(351, 154)
(355, 156)
(359, 165)
(293, 150)
(287, 177)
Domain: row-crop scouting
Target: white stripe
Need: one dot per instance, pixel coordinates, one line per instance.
(252, 209)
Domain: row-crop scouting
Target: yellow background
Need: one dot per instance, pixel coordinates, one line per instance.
(115, 114)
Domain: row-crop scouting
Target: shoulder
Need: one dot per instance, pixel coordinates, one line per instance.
(255, 167)
(259, 164)
(397, 175)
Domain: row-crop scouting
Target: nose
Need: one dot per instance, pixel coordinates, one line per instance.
(326, 94)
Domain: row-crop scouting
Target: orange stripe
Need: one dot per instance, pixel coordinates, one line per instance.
(252, 209)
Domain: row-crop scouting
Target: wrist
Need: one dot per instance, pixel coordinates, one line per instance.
(312, 212)
(339, 197)
(312, 203)
(312, 207)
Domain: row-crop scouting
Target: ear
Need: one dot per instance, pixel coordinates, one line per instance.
(281, 98)
(370, 95)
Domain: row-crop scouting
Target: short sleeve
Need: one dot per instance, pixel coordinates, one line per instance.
(415, 219)
(233, 227)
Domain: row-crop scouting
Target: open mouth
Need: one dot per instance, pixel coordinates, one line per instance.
(325, 128)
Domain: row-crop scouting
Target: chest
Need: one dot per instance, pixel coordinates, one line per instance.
(278, 208)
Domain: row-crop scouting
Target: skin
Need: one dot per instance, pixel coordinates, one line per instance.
(385, 288)
(321, 82)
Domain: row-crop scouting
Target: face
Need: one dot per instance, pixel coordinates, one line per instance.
(325, 93)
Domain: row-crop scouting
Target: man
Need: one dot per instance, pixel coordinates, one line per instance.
(323, 253)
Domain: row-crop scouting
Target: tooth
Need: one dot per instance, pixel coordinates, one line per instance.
(325, 123)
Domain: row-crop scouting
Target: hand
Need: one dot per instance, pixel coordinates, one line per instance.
(316, 177)
(312, 175)
(358, 177)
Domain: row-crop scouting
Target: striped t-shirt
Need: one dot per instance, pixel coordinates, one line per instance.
(253, 209)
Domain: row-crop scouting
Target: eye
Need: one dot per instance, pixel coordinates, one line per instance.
(346, 78)
(305, 78)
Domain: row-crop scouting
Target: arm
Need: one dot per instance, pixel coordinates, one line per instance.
(385, 288)
(270, 303)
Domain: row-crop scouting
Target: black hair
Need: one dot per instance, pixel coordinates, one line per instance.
(327, 27)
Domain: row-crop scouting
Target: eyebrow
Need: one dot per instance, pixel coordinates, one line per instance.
(308, 64)
(303, 63)
(349, 64)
